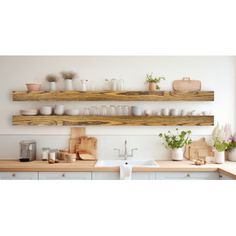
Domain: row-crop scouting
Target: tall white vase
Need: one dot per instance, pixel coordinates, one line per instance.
(68, 85)
(52, 86)
(177, 154)
(219, 157)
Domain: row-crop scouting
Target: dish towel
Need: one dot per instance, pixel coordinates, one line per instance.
(125, 172)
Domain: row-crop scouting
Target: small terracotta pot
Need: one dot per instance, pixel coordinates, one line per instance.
(33, 87)
(152, 87)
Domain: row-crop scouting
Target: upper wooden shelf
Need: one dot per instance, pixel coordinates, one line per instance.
(113, 96)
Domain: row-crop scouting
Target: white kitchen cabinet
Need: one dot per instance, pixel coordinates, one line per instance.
(187, 175)
(18, 175)
(116, 175)
(64, 175)
(143, 176)
(105, 175)
(224, 177)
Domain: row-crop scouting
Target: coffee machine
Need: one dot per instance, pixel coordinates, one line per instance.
(27, 150)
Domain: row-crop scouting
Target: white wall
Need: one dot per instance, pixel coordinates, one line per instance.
(216, 73)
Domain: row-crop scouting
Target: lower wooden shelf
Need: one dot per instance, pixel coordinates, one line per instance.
(113, 120)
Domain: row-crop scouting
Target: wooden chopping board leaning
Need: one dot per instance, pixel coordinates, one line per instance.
(199, 149)
(86, 148)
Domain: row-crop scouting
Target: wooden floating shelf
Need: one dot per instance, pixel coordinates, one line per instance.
(113, 96)
(114, 120)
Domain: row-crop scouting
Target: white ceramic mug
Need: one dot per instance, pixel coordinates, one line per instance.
(46, 110)
(59, 110)
(165, 112)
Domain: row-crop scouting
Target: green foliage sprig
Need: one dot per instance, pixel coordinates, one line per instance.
(151, 79)
(178, 140)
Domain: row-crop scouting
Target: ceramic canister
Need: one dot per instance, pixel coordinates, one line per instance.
(136, 111)
(59, 110)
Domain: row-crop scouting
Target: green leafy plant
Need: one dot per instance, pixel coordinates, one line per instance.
(151, 79)
(178, 140)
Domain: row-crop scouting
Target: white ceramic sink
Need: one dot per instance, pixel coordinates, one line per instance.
(134, 163)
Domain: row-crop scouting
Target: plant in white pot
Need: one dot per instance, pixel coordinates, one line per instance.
(68, 77)
(52, 80)
(176, 142)
(220, 140)
(231, 149)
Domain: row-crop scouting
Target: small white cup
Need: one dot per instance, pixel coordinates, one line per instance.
(46, 110)
(165, 112)
(59, 110)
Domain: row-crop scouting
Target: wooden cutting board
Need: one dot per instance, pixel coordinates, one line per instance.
(199, 149)
(74, 137)
(87, 146)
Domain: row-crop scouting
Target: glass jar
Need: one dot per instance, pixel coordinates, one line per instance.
(107, 85)
(120, 85)
(113, 84)
(112, 110)
(103, 110)
(45, 154)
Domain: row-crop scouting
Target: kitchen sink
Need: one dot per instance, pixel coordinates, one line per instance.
(134, 163)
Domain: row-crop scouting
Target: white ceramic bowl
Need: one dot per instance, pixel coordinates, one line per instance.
(46, 110)
(72, 112)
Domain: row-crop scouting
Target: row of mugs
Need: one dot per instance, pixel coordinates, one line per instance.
(112, 111)
(137, 111)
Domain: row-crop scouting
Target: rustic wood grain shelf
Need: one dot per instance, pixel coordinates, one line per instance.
(112, 96)
(114, 120)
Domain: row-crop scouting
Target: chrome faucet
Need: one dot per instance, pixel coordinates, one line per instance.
(125, 155)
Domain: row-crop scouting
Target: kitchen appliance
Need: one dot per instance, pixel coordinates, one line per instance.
(27, 150)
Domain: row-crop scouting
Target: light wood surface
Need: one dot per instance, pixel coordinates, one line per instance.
(228, 168)
(114, 120)
(113, 96)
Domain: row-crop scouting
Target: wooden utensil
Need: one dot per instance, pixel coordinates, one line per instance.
(74, 137)
(199, 149)
(77, 132)
(87, 148)
(187, 85)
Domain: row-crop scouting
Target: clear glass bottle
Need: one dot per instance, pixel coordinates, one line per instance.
(120, 85)
(114, 85)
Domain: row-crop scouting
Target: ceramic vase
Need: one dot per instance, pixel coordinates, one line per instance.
(219, 157)
(52, 86)
(68, 85)
(177, 154)
(232, 155)
(152, 87)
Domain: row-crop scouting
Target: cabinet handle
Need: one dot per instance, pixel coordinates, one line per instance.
(13, 175)
(188, 175)
(63, 175)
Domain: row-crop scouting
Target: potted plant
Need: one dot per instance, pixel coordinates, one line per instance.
(231, 140)
(68, 78)
(176, 142)
(52, 79)
(220, 140)
(153, 82)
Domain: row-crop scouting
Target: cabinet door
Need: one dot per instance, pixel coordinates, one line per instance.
(65, 175)
(187, 175)
(19, 175)
(143, 176)
(224, 177)
(105, 175)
